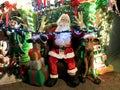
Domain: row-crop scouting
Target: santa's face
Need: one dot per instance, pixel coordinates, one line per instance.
(64, 20)
(63, 23)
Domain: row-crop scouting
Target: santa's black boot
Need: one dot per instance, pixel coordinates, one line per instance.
(82, 79)
(97, 81)
(51, 82)
(73, 81)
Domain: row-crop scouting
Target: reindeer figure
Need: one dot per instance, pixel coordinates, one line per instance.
(88, 55)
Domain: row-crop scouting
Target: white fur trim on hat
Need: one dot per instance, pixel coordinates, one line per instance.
(54, 76)
(72, 70)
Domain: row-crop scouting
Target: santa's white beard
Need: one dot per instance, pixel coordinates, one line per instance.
(63, 39)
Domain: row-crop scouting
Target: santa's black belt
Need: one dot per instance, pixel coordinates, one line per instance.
(63, 48)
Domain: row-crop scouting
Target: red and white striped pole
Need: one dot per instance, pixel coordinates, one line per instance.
(44, 3)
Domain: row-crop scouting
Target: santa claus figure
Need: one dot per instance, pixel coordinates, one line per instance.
(61, 48)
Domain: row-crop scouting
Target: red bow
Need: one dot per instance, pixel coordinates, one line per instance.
(75, 4)
(10, 6)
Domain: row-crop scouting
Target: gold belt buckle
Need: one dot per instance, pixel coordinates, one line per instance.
(61, 51)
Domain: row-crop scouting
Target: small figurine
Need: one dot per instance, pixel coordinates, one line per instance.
(101, 65)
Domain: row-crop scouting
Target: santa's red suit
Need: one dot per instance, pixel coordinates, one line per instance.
(61, 48)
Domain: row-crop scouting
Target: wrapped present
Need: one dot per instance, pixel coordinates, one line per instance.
(36, 61)
(36, 64)
(38, 77)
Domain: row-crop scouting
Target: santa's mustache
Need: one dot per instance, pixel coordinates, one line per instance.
(62, 27)
(63, 24)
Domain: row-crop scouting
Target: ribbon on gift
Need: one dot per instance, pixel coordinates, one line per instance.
(45, 72)
(8, 7)
(7, 19)
(33, 78)
(75, 4)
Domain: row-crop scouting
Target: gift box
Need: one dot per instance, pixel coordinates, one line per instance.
(38, 77)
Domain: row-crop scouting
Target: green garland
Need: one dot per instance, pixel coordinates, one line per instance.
(31, 21)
